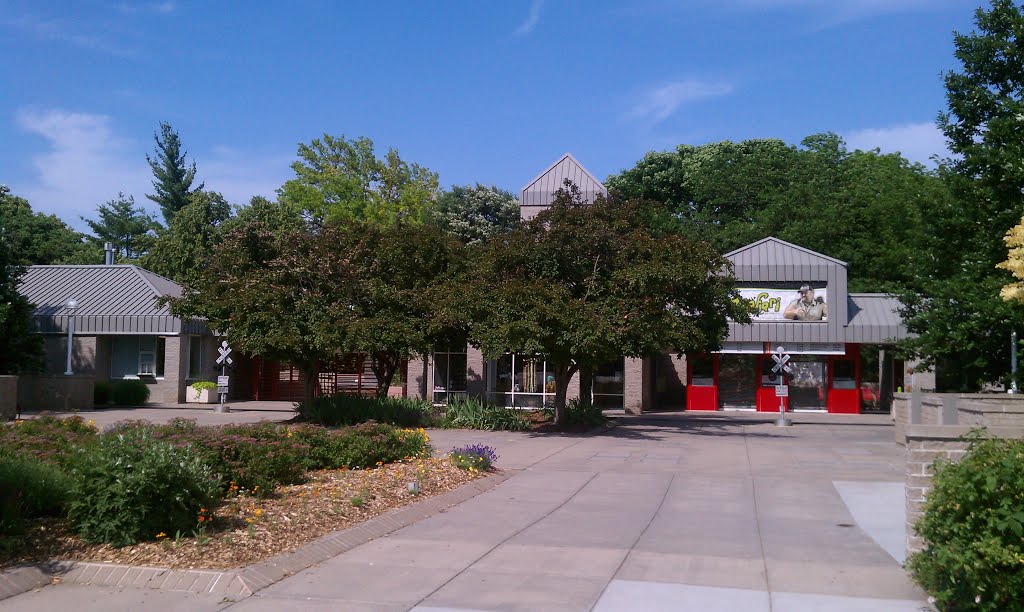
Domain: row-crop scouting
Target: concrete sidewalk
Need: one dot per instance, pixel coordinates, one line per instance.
(664, 512)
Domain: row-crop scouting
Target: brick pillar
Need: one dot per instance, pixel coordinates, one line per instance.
(633, 386)
(476, 383)
(172, 391)
(416, 384)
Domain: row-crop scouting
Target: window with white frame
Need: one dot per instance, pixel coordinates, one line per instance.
(449, 374)
(520, 381)
(195, 357)
(151, 356)
(609, 385)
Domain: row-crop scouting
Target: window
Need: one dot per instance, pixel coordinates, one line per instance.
(449, 374)
(150, 356)
(520, 381)
(195, 357)
(609, 385)
(702, 373)
(844, 374)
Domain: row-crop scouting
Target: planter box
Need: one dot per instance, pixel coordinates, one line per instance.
(205, 396)
(396, 391)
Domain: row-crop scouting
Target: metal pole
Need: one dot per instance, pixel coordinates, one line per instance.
(71, 338)
(1013, 362)
(223, 396)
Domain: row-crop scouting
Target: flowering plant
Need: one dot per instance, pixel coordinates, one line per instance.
(474, 457)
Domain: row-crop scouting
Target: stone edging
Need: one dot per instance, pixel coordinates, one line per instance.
(246, 581)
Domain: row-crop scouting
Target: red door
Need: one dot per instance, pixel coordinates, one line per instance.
(844, 382)
(702, 382)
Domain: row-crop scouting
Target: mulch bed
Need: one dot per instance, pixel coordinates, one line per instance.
(247, 529)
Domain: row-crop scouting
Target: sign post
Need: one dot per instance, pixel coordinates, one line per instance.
(222, 381)
(781, 367)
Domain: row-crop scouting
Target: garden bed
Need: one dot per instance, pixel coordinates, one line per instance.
(246, 529)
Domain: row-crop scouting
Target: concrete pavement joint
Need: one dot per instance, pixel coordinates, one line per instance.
(757, 517)
(517, 532)
(639, 537)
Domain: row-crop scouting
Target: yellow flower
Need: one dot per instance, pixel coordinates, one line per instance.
(161, 535)
(258, 512)
(92, 423)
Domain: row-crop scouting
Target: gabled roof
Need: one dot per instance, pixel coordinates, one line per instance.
(541, 190)
(115, 299)
(779, 252)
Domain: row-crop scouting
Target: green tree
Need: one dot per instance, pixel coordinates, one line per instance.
(281, 216)
(172, 176)
(274, 294)
(397, 304)
(954, 309)
(343, 180)
(183, 250)
(127, 227)
(474, 213)
(21, 351)
(36, 238)
(860, 207)
(584, 284)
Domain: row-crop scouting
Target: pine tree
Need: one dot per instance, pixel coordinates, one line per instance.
(124, 225)
(172, 176)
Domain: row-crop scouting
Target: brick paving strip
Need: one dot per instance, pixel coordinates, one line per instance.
(248, 580)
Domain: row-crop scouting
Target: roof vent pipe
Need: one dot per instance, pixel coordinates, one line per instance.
(108, 254)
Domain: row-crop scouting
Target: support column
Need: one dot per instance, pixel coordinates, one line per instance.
(635, 380)
(476, 384)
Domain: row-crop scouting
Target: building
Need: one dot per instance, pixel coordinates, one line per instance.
(121, 331)
(838, 341)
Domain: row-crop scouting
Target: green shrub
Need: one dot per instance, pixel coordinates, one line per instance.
(129, 392)
(129, 487)
(340, 410)
(47, 438)
(475, 413)
(30, 488)
(973, 529)
(204, 385)
(101, 393)
(576, 413)
(361, 446)
(255, 457)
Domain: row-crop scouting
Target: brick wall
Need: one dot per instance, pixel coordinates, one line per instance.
(83, 354)
(55, 392)
(924, 445)
(633, 385)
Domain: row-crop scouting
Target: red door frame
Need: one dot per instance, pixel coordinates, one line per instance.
(845, 401)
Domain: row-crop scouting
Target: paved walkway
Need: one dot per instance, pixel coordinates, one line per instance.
(664, 512)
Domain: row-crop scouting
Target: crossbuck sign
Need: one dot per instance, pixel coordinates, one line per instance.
(225, 353)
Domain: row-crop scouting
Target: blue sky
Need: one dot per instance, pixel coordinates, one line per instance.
(488, 92)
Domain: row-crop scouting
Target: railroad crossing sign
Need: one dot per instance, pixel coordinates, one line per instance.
(225, 353)
(781, 359)
(781, 391)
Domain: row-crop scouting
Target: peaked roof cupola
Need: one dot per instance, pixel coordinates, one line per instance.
(539, 193)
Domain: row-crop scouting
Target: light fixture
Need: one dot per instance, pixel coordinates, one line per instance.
(71, 305)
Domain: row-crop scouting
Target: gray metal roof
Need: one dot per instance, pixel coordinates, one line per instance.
(117, 299)
(540, 192)
(781, 260)
(874, 317)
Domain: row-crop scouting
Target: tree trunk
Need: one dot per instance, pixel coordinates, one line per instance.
(586, 386)
(384, 366)
(310, 373)
(563, 374)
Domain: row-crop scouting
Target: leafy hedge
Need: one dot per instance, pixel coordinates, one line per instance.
(362, 446)
(973, 528)
(475, 413)
(129, 392)
(47, 438)
(339, 410)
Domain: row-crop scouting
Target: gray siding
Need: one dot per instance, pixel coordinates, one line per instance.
(874, 318)
(775, 261)
(539, 193)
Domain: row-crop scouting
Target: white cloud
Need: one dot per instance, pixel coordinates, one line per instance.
(532, 19)
(916, 141)
(87, 163)
(659, 103)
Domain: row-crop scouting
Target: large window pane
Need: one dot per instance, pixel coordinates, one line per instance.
(737, 381)
(195, 357)
(529, 375)
(609, 384)
(703, 370)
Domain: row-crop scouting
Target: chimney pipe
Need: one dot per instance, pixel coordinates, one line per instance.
(108, 254)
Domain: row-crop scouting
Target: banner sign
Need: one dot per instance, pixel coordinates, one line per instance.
(804, 303)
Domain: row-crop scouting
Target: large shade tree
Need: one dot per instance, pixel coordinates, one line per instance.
(474, 213)
(584, 283)
(343, 180)
(953, 307)
(184, 249)
(37, 238)
(860, 207)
